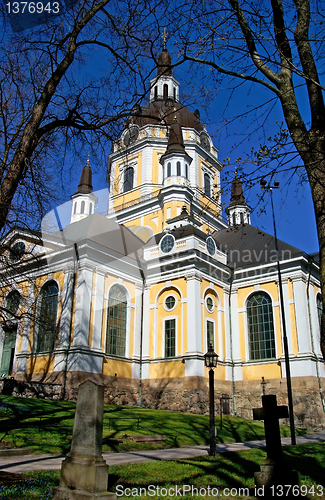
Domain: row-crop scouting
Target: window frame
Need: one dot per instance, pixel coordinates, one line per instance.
(258, 342)
(117, 337)
(126, 180)
(165, 347)
(41, 329)
(210, 321)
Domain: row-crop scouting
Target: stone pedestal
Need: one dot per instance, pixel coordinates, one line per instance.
(84, 473)
(276, 474)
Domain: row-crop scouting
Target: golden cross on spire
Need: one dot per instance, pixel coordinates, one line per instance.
(164, 37)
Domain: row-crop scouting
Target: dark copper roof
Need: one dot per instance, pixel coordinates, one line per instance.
(164, 63)
(162, 112)
(246, 245)
(237, 194)
(86, 183)
(175, 138)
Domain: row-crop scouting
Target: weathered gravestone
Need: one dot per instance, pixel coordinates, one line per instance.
(84, 473)
(275, 471)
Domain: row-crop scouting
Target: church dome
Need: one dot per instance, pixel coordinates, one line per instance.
(162, 112)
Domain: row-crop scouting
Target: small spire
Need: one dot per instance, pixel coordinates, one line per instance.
(237, 194)
(86, 183)
(164, 37)
(175, 137)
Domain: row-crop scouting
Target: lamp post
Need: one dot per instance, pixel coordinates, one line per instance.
(269, 188)
(210, 361)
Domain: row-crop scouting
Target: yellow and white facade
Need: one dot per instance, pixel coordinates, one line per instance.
(139, 294)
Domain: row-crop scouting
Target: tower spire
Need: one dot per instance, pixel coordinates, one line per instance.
(238, 211)
(83, 200)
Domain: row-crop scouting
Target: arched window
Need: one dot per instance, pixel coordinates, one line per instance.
(260, 326)
(241, 218)
(128, 179)
(174, 93)
(75, 208)
(178, 168)
(47, 317)
(169, 169)
(156, 93)
(82, 210)
(234, 219)
(90, 208)
(319, 303)
(12, 303)
(186, 170)
(165, 90)
(116, 321)
(207, 185)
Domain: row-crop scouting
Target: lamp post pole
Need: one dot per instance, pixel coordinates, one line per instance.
(211, 407)
(268, 187)
(210, 361)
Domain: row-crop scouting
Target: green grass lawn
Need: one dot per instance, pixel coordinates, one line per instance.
(45, 426)
(227, 470)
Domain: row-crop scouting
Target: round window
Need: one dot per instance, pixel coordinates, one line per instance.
(170, 302)
(17, 251)
(210, 304)
(211, 246)
(167, 243)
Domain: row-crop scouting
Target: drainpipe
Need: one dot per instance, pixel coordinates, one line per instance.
(231, 348)
(312, 338)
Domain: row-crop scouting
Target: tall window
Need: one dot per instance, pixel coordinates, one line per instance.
(210, 334)
(169, 169)
(178, 168)
(165, 90)
(319, 303)
(75, 208)
(82, 210)
(47, 317)
(186, 170)
(116, 321)
(170, 338)
(260, 327)
(207, 185)
(12, 303)
(128, 179)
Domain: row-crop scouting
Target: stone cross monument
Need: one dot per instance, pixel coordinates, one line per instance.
(275, 471)
(84, 473)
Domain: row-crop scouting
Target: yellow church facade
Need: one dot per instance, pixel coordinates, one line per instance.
(135, 297)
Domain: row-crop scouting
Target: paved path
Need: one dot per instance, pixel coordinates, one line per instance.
(48, 462)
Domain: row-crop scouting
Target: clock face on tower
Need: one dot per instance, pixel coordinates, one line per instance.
(131, 135)
(205, 141)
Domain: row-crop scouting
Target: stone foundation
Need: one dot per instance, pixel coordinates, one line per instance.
(182, 394)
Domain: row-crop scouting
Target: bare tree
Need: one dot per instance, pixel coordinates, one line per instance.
(278, 45)
(67, 86)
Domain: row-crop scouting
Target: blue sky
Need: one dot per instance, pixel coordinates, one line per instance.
(293, 204)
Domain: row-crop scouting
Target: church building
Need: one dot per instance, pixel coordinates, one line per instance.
(135, 297)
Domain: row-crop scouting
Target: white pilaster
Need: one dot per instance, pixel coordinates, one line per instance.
(235, 336)
(82, 310)
(98, 313)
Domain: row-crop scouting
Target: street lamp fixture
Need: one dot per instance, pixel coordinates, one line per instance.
(211, 361)
(269, 187)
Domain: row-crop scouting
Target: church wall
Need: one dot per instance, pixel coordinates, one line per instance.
(167, 369)
(258, 370)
